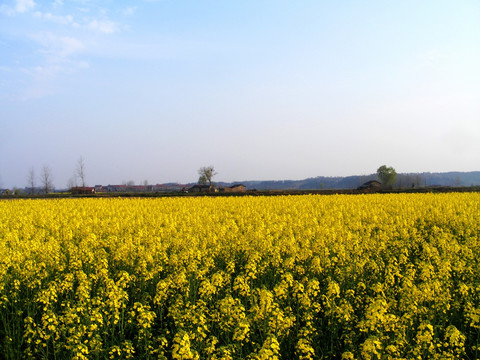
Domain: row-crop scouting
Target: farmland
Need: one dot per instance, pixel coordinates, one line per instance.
(378, 276)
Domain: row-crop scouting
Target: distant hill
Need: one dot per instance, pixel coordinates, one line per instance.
(352, 182)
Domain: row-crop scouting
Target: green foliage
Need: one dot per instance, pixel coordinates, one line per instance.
(386, 175)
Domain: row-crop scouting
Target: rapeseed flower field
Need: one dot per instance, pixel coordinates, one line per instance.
(392, 276)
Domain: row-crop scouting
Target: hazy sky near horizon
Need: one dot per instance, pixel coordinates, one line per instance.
(262, 90)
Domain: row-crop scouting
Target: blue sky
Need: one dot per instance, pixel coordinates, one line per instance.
(153, 90)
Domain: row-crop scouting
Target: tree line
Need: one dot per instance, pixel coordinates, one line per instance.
(45, 180)
(387, 175)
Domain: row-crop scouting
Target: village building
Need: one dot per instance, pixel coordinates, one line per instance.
(82, 190)
(235, 188)
(371, 185)
(199, 188)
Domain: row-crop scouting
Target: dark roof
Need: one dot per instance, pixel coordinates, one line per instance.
(370, 184)
(373, 182)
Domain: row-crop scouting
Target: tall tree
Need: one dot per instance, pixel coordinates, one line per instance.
(386, 175)
(46, 179)
(31, 180)
(206, 174)
(80, 171)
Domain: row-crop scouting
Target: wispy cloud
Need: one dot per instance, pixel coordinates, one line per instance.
(58, 47)
(54, 36)
(19, 7)
(129, 11)
(103, 26)
(59, 19)
(22, 6)
(99, 22)
(57, 55)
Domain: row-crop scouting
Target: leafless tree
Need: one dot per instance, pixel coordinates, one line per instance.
(206, 174)
(46, 179)
(80, 172)
(31, 180)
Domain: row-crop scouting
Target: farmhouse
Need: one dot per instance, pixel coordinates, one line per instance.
(82, 190)
(235, 188)
(370, 185)
(201, 189)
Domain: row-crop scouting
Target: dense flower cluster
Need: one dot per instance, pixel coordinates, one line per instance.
(294, 277)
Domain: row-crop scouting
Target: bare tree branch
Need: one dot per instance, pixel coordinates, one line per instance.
(46, 179)
(31, 180)
(80, 172)
(206, 174)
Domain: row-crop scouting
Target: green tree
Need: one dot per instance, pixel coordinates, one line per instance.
(387, 175)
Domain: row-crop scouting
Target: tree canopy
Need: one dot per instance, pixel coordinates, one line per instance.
(386, 175)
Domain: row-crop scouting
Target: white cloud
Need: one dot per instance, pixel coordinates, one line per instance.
(57, 3)
(22, 6)
(57, 35)
(105, 26)
(129, 11)
(7, 10)
(59, 19)
(69, 46)
(41, 73)
(5, 69)
(58, 47)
